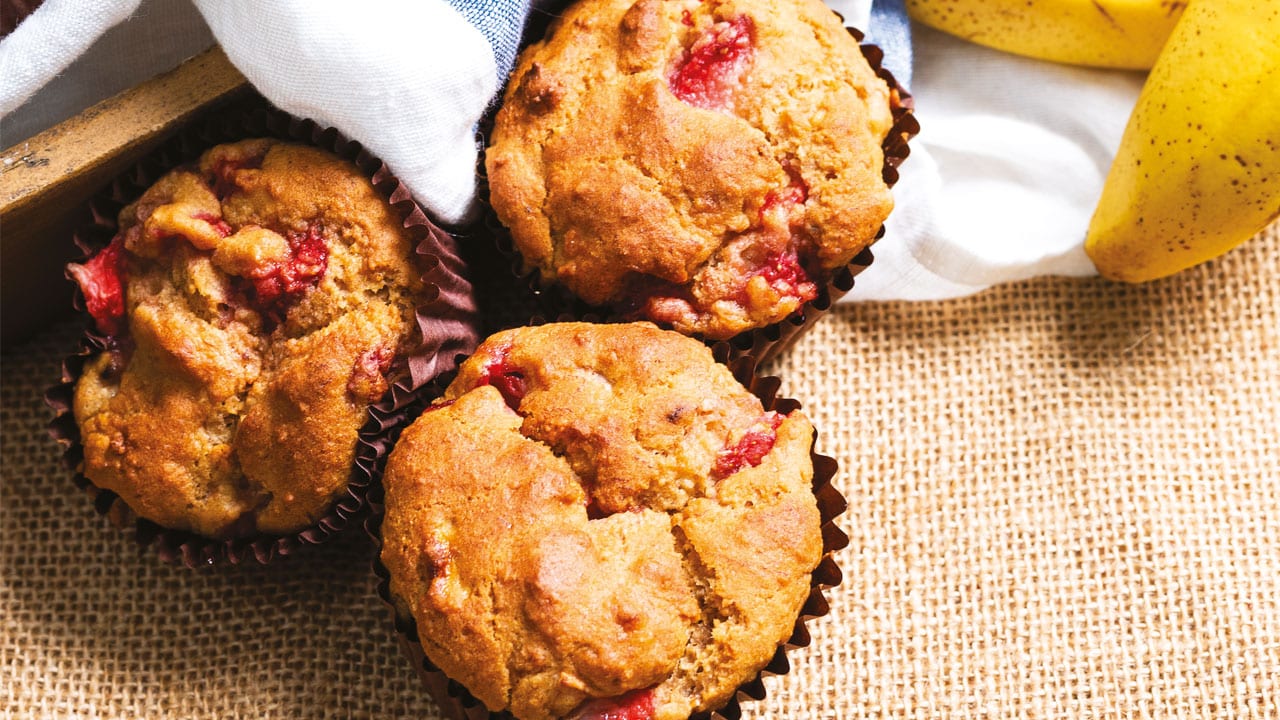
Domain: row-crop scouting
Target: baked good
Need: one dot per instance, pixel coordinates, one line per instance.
(599, 521)
(253, 304)
(705, 165)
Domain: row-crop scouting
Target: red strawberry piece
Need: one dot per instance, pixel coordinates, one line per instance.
(503, 375)
(278, 285)
(750, 449)
(785, 275)
(795, 193)
(782, 269)
(635, 705)
(218, 224)
(368, 382)
(706, 75)
(438, 406)
(101, 280)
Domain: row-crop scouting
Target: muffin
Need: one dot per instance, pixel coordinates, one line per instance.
(600, 521)
(254, 305)
(706, 165)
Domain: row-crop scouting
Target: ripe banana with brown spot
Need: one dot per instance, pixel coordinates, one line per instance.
(1198, 169)
(1101, 33)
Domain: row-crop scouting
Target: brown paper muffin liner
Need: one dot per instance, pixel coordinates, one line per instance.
(761, 343)
(457, 703)
(447, 321)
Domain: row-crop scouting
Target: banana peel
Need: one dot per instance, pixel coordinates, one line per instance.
(1198, 168)
(1100, 33)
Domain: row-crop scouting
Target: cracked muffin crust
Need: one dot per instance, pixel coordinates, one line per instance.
(599, 521)
(253, 303)
(705, 164)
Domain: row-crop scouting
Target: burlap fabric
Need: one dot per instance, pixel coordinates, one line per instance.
(1064, 502)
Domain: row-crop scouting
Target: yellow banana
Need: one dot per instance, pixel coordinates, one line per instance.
(1198, 169)
(1102, 33)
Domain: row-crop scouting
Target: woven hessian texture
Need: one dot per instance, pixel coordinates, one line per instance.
(1064, 503)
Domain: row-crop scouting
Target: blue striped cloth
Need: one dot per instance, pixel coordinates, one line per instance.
(501, 22)
(891, 30)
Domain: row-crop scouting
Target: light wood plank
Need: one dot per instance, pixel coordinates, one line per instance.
(45, 178)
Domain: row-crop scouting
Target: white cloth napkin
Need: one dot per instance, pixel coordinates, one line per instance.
(407, 78)
(999, 186)
(1004, 175)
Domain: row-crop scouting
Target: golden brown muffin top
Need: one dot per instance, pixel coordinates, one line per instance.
(600, 518)
(255, 302)
(702, 164)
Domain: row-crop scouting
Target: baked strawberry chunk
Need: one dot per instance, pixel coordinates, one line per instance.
(101, 280)
(635, 705)
(368, 380)
(219, 225)
(750, 449)
(782, 270)
(278, 285)
(712, 68)
(795, 193)
(504, 376)
(785, 275)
